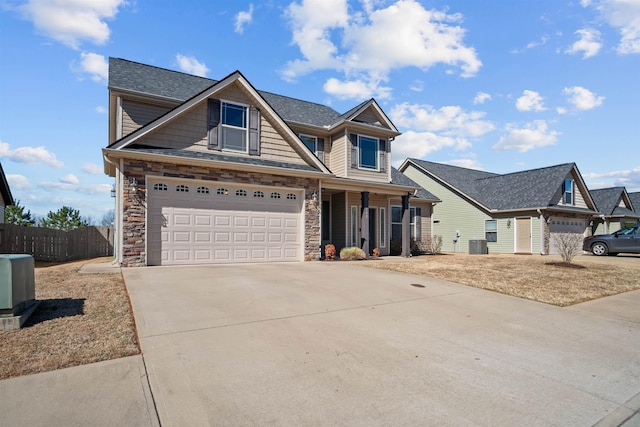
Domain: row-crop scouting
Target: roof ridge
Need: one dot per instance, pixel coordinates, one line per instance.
(296, 99)
(451, 166)
(529, 170)
(163, 68)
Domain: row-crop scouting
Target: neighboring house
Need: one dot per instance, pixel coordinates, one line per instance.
(635, 200)
(616, 210)
(6, 199)
(216, 171)
(515, 213)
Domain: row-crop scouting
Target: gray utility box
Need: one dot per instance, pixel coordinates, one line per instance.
(478, 247)
(17, 283)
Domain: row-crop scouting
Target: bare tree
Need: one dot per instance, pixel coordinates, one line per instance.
(434, 244)
(568, 245)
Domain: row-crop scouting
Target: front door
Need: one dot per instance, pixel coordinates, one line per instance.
(373, 241)
(523, 235)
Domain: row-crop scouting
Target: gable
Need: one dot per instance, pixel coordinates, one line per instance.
(370, 116)
(186, 127)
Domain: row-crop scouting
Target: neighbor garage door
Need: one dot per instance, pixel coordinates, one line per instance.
(564, 225)
(193, 222)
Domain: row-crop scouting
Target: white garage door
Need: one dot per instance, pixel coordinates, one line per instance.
(194, 222)
(564, 225)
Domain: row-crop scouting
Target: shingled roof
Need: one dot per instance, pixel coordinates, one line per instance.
(635, 200)
(529, 189)
(399, 178)
(145, 79)
(608, 202)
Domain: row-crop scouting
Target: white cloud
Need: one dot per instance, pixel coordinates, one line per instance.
(530, 101)
(582, 99)
(533, 135)
(543, 40)
(623, 15)
(191, 65)
(366, 46)
(433, 129)
(67, 184)
(243, 18)
(72, 22)
(70, 179)
(481, 98)
(417, 86)
(101, 110)
(18, 182)
(94, 65)
(626, 178)
(30, 155)
(92, 169)
(356, 89)
(589, 43)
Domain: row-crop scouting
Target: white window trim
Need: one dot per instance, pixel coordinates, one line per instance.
(315, 142)
(573, 193)
(492, 231)
(245, 129)
(366, 168)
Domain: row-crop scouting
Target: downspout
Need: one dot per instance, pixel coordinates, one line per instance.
(543, 224)
(120, 206)
(117, 220)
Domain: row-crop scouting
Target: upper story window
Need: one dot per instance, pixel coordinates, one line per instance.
(311, 142)
(569, 193)
(233, 118)
(367, 152)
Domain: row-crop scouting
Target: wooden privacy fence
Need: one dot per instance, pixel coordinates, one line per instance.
(46, 244)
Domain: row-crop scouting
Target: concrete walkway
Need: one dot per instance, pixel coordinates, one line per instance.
(339, 344)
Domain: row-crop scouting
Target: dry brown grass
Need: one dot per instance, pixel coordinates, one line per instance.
(82, 318)
(534, 277)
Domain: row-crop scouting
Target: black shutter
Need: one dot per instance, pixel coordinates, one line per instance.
(320, 149)
(213, 122)
(382, 152)
(254, 131)
(354, 150)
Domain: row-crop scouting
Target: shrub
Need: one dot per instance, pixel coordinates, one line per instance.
(433, 245)
(396, 247)
(352, 254)
(568, 244)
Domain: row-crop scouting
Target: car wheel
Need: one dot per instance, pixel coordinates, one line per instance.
(599, 249)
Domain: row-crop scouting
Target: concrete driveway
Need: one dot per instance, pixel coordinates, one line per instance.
(333, 343)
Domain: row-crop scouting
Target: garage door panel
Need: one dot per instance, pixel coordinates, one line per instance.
(192, 228)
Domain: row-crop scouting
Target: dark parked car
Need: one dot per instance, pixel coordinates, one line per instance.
(623, 240)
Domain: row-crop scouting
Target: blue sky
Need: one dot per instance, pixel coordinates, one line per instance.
(495, 85)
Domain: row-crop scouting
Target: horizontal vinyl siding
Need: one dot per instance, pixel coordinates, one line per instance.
(337, 155)
(137, 114)
(188, 131)
(453, 213)
(274, 147)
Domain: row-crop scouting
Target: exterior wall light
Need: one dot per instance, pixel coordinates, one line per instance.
(133, 185)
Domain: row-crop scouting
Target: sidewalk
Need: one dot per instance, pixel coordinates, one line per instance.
(111, 393)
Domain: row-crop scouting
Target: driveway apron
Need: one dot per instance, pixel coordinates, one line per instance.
(334, 343)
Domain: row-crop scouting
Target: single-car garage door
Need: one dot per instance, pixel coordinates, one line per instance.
(564, 225)
(196, 222)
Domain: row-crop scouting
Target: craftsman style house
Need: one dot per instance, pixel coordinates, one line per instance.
(514, 213)
(616, 210)
(213, 171)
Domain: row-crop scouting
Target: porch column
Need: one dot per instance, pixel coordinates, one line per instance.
(406, 227)
(364, 222)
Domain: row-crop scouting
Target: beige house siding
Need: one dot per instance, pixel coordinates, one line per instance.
(136, 114)
(338, 157)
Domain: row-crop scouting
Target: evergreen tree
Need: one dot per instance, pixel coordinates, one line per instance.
(16, 214)
(65, 218)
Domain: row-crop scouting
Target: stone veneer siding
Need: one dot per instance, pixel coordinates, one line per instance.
(134, 205)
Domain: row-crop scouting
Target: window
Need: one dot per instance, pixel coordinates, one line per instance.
(291, 196)
(354, 226)
(275, 195)
(396, 222)
(383, 227)
(367, 152)
(258, 194)
(222, 192)
(160, 187)
(241, 193)
(182, 188)
(491, 230)
(234, 127)
(202, 190)
(311, 142)
(568, 192)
